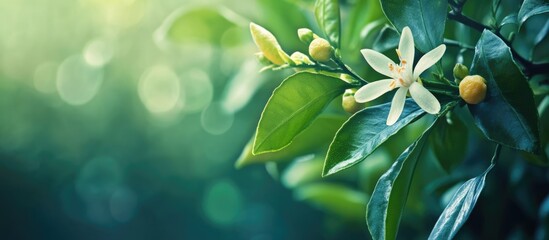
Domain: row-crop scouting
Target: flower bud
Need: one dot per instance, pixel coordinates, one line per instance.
(305, 35)
(267, 43)
(300, 58)
(473, 89)
(262, 59)
(460, 71)
(348, 102)
(320, 50)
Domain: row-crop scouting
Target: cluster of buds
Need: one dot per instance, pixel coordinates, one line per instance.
(272, 53)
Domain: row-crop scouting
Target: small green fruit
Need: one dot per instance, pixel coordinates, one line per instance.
(460, 71)
(348, 102)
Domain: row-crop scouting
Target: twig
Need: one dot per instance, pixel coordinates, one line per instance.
(347, 70)
(530, 68)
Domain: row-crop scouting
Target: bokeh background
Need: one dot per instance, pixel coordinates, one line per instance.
(122, 119)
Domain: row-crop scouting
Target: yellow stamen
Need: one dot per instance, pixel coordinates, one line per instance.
(401, 81)
(391, 67)
(392, 85)
(398, 53)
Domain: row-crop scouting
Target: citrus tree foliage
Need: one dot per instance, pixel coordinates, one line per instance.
(350, 101)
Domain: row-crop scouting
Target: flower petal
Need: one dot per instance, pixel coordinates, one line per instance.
(397, 105)
(378, 62)
(373, 90)
(425, 99)
(428, 60)
(406, 48)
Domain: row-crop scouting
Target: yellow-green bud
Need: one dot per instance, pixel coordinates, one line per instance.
(460, 71)
(473, 89)
(320, 50)
(300, 58)
(305, 35)
(348, 102)
(262, 59)
(267, 43)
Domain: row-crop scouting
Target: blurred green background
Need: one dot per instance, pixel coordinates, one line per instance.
(122, 119)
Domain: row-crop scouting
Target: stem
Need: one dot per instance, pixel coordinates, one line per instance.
(447, 109)
(458, 17)
(530, 68)
(455, 43)
(496, 154)
(445, 93)
(347, 70)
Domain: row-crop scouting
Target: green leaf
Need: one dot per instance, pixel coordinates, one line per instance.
(363, 133)
(201, 25)
(314, 138)
(531, 8)
(292, 107)
(334, 198)
(509, 19)
(508, 114)
(386, 40)
(449, 141)
(460, 206)
(389, 197)
(364, 17)
(426, 19)
(328, 18)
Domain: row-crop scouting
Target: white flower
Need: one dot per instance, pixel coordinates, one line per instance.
(401, 77)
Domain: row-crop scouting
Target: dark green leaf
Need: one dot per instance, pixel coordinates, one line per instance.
(363, 133)
(327, 17)
(531, 8)
(314, 138)
(426, 19)
(460, 206)
(508, 114)
(389, 197)
(292, 107)
(449, 141)
(509, 19)
(387, 39)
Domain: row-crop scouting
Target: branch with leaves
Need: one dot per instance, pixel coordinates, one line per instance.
(491, 88)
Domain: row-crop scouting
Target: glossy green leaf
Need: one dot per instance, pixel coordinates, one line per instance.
(508, 114)
(337, 199)
(449, 141)
(509, 19)
(389, 197)
(426, 19)
(531, 8)
(328, 18)
(363, 133)
(314, 138)
(460, 206)
(387, 39)
(202, 25)
(360, 23)
(292, 107)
